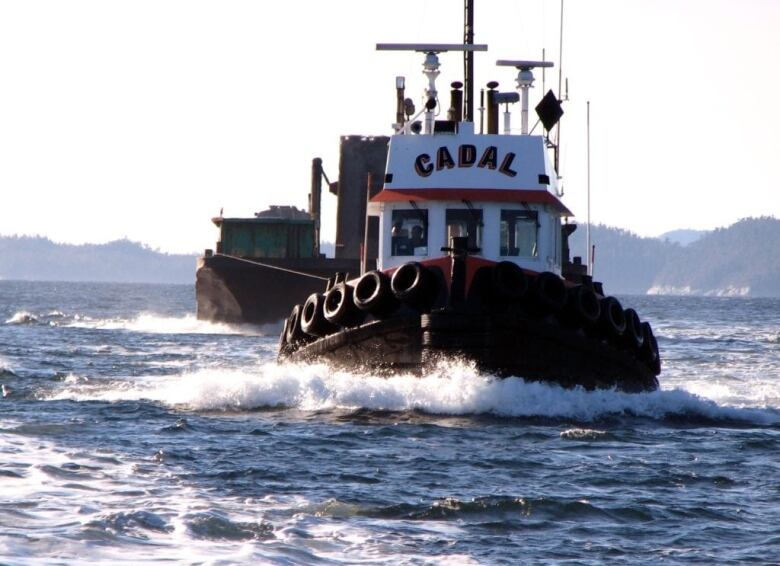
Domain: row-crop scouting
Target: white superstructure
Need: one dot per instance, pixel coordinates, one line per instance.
(500, 190)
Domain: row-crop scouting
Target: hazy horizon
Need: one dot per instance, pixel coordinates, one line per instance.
(325, 242)
(726, 262)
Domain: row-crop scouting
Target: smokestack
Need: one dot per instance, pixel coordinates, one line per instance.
(492, 108)
(400, 85)
(456, 102)
(315, 198)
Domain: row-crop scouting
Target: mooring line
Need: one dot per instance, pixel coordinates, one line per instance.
(272, 266)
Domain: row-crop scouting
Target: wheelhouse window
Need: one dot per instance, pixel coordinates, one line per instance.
(519, 233)
(409, 233)
(465, 222)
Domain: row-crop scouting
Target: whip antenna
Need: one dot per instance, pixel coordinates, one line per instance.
(468, 59)
(560, 53)
(591, 253)
(560, 95)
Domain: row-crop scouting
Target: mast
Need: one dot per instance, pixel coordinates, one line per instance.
(560, 94)
(315, 198)
(468, 60)
(590, 248)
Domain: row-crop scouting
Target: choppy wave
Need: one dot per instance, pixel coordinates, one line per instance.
(192, 445)
(452, 389)
(483, 509)
(157, 324)
(150, 323)
(22, 317)
(50, 317)
(730, 291)
(6, 373)
(105, 513)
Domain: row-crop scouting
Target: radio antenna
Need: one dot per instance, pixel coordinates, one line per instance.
(560, 54)
(590, 247)
(560, 95)
(468, 59)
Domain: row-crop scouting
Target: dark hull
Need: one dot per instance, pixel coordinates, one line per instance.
(228, 289)
(507, 321)
(507, 344)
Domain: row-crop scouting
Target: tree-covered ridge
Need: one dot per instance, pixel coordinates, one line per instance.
(741, 259)
(38, 258)
(624, 262)
(683, 236)
(738, 260)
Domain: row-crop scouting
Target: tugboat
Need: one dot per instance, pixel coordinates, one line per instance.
(473, 257)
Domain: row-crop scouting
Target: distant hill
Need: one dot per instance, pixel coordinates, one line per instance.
(36, 258)
(738, 260)
(624, 262)
(683, 237)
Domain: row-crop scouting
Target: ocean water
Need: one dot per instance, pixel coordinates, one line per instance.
(132, 433)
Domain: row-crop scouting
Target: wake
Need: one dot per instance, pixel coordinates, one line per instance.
(149, 323)
(451, 389)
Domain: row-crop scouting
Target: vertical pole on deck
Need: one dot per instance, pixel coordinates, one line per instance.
(315, 200)
(468, 60)
(590, 248)
(560, 95)
(364, 246)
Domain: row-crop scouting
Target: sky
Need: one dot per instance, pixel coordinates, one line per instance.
(142, 119)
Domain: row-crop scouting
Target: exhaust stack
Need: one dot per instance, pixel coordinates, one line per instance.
(315, 199)
(456, 102)
(492, 108)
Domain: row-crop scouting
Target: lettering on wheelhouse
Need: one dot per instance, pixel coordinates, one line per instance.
(465, 156)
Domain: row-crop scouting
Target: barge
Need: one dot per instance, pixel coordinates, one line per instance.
(262, 263)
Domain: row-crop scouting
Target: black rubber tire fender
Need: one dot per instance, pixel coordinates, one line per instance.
(649, 353)
(633, 337)
(313, 320)
(509, 282)
(582, 305)
(293, 332)
(372, 294)
(283, 335)
(548, 293)
(339, 307)
(612, 319)
(414, 285)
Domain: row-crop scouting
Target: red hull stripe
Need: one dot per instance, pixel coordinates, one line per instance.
(490, 195)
